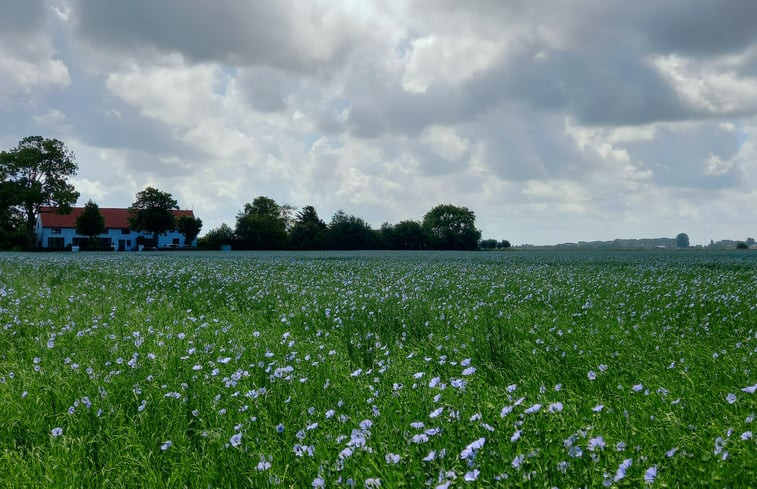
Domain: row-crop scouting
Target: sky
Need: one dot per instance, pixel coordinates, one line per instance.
(554, 121)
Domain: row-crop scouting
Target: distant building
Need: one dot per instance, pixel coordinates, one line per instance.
(58, 231)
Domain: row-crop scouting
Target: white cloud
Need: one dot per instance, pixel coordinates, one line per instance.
(24, 77)
(447, 60)
(552, 121)
(708, 89)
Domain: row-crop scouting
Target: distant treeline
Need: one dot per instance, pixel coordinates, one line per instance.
(264, 224)
(679, 242)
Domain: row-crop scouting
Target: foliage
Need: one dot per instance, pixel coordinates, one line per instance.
(405, 235)
(308, 231)
(348, 232)
(488, 244)
(90, 222)
(339, 369)
(742, 246)
(12, 228)
(493, 244)
(33, 175)
(261, 225)
(217, 237)
(452, 228)
(682, 240)
(190, 227)
(151, 212)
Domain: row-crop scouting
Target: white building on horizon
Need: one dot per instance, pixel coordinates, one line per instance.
(58, 231)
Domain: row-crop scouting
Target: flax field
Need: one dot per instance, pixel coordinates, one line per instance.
(367, 370)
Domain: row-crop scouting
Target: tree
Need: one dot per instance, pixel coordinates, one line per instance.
(35, 173)
(190, 227)
(504, 244)
(90, 222)
(682, 240)
(347, 232)
(452, 228)
(405, 235)
(261, 225)
(12, 229)
(152, 212)
(488, 244)
(308, 231)
(222, 235)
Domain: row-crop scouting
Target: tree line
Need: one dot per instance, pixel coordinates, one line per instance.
(264, 224)
(35, 174)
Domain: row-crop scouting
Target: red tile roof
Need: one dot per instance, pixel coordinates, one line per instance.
(114, 218)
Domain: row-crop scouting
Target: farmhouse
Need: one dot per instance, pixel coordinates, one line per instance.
(58, 231)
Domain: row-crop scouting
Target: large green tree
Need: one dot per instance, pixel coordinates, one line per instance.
(12, 227)
(190, 227)
(34, 175)
(262, 224)
(152, 212)
(405, 235)
(308, 231)
(215, 238)
(348, 232)
(452, 228)
(90, 222)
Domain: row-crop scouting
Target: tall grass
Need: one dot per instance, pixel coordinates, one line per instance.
(359, 370)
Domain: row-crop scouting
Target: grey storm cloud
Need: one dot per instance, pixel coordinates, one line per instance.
(354, 102)
(602, 74)
(224, 31)
(700, 28)
(679, 157)
(21, 17)
(267, 88)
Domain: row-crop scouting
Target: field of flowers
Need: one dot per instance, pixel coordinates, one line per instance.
(378, 370)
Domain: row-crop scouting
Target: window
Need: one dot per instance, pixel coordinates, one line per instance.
(55, 231)
(56, 243)
(125, 231)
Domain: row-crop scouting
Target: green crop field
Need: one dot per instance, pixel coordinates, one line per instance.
(378, 370)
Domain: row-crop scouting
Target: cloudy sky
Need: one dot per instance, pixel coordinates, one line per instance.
(560, 120)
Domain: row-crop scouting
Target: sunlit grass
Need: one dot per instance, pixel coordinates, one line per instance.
(422, 370)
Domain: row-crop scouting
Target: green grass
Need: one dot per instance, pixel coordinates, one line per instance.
(125, 352)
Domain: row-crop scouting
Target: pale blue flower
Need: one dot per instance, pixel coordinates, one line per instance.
(622, 468)
(533, 409)
(517, 461)
(471, 475)
(236, 439)
(392, 458)
(650, 474)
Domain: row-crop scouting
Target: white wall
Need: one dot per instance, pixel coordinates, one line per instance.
(130, 240)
